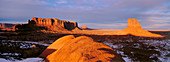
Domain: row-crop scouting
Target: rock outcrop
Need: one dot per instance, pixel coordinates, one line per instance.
(2, 25)
(134, 28)
(53, 21)
(7, 27)
(77, 29)
(79, 49)
(84, 27)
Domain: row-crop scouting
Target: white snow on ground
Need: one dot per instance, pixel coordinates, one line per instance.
(24, 60)
(115, 46)
(4, 60)
(166, 44)
(40, 42)
(16, 54)
(32, 60)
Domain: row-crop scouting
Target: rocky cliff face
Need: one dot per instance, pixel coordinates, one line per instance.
(53, 21)
(133, 23)
(134, 28)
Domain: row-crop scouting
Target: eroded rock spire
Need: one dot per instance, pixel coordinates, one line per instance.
(134, 28)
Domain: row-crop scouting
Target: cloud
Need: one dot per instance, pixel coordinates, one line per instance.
(20, 8)
(62, 2)
(157, 26)
(101, 13)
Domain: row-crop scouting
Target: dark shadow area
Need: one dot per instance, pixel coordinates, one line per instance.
(69, 26)
(19, 50)
(138, 51)
(52, 21)
(29, 28)
(46, 52)
(107, 50)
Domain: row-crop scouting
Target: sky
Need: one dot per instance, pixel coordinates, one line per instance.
(104, 14)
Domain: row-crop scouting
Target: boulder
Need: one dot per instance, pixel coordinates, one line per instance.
(79, 49)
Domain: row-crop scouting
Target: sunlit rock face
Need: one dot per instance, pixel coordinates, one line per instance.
(2, 25)
(7, 27)
(84, 27)
(134, 28)
(53, 21)
(77, 29)
(79, 49)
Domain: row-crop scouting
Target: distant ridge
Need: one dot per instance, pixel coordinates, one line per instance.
(53, 25)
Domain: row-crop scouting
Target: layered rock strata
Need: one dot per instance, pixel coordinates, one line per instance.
(53, 21)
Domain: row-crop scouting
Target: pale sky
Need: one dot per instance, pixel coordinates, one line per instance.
(108, 14)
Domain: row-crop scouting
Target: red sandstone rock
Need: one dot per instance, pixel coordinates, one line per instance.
(79, 49)
(76, 29)
(47, 22)
(2, 25)
(84, 27)
(8, 27)
(134, 28)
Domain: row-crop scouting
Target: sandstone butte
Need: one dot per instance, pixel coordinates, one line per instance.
(52, 24)
(69, 25)
(79, 49)
(84, 27)
(134, 28)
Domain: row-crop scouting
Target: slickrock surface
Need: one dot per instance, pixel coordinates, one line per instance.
(52, 22)
(134, 28)
(79, 49)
